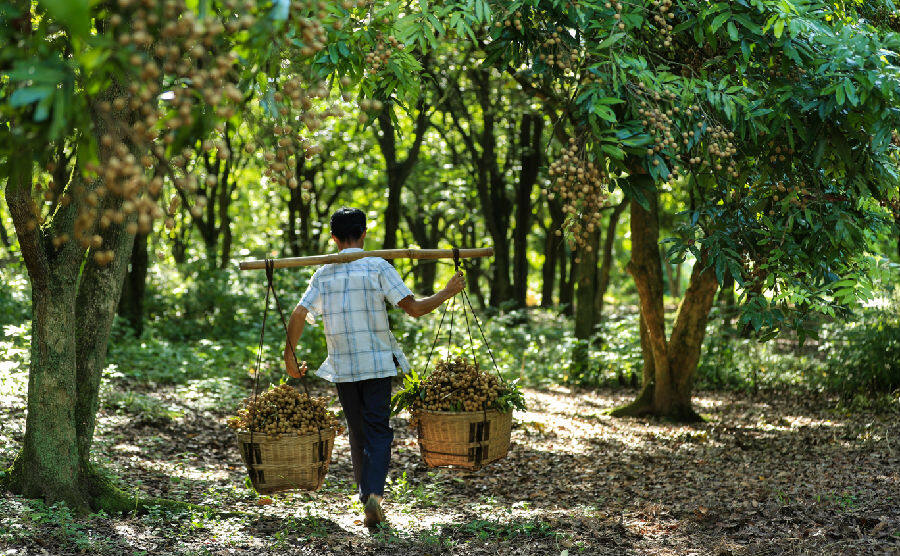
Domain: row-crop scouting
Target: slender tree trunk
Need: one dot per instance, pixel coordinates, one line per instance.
(553, 253)
(606, 260)
(473, 283)
(291, 235)
(548, 270)
(567, 280)
(586, 291)
(532, 130)
(673, 276)
(668, 392)
(726, 301)
(397, 172)
(131, 305)
(4, 237)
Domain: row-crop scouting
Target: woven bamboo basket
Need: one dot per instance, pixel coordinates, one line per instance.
(287, 462)
(466, 439)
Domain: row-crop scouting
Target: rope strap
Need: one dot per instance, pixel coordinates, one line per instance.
(270, 288)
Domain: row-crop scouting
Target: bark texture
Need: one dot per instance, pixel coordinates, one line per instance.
(131, 305)
(669, 364)
(398, 170)
(586, 276)
(530, 137)
(73, 303)
(606, 259)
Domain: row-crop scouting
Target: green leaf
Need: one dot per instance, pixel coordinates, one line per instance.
(719, 21)
(613, 151)
(605, 113)
(778, 29)
(74, 14)
(732, 31)
(610, 40)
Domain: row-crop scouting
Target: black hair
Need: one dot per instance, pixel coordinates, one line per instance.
(348, 224)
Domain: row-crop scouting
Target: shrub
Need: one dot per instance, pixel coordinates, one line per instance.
(864, 357)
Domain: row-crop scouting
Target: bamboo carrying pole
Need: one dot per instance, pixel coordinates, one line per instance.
(383, 253)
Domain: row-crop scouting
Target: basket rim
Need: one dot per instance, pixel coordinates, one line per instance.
(324, 433)
(479, 412)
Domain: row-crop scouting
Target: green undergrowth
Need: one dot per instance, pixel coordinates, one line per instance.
(202, 335)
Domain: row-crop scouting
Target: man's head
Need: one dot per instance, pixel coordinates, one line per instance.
(348, 226)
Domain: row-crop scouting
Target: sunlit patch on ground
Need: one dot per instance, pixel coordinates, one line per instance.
(759, 474)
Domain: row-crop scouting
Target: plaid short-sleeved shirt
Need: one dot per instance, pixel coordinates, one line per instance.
(350, 299)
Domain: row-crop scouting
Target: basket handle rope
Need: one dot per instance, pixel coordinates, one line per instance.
(270, 288)
(270, 275)
(262, 333)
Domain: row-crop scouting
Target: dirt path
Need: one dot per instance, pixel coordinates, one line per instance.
(769, 476)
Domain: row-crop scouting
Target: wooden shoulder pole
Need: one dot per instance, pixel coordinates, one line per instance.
(383, 253)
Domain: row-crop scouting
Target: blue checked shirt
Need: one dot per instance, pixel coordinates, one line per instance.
(350, 299)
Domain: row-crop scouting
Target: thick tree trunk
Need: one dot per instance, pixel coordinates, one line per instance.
(48, 465)
(131, 305)
(71, 318)
(667, 393)
(98, 293)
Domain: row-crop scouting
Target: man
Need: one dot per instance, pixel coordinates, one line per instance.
(363, 354)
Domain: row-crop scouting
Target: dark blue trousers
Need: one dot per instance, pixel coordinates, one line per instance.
(367, 408)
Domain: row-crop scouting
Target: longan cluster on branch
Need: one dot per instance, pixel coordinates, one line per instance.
(456, 385)
(136, 121)
(282, 410)
(662, 15)
(580, 185)
(384, 47)
(682, 135)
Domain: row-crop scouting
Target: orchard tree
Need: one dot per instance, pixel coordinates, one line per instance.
(116, 90)
(774, 118)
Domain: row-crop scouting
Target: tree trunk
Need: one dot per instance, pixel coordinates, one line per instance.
(532, 130)
(48, 466)
(606, 260)
(673, 276)
(586, 291)
(566, 279)
(71, 319)
(548, 270)
(4, 237)
(131, 305)
(397, 172)
(726, 300)
(553, 252)
(293, 206)
(667, 393)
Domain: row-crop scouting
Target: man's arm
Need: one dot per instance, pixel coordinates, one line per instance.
(420, 307)
(295, 329)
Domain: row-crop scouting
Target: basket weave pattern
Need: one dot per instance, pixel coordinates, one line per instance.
(287, 462)
(466, 439)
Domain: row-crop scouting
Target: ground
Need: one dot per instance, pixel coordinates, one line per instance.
(765, 474)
